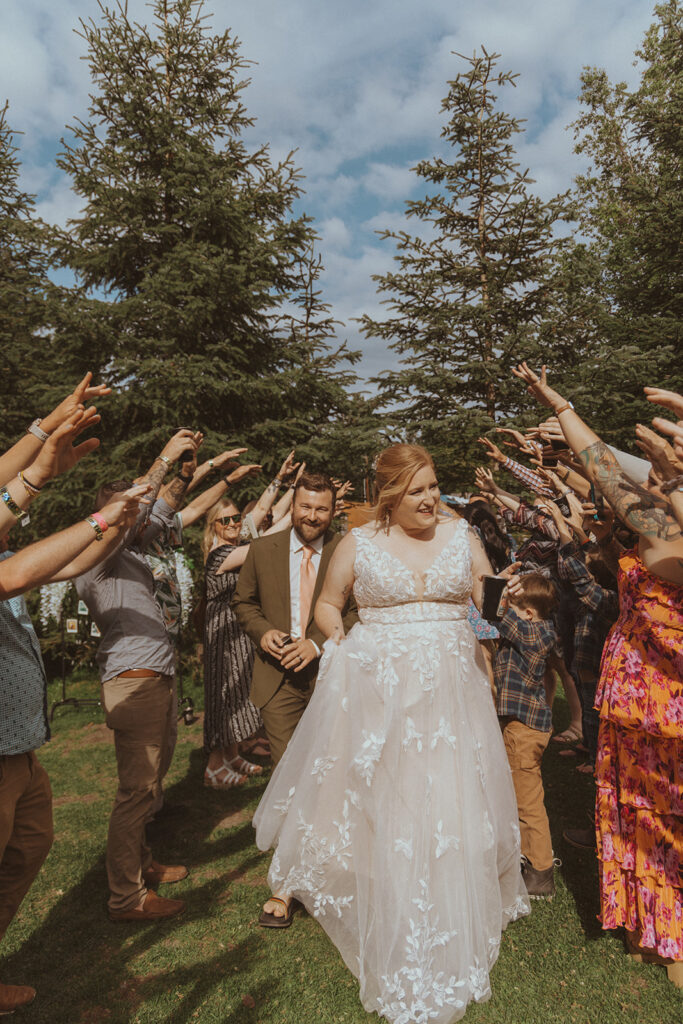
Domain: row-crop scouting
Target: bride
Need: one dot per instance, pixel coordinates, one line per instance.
(392, 813)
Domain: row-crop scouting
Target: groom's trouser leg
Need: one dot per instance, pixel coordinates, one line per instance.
(282, 713)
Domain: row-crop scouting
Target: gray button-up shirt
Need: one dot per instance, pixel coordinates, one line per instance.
(119, 594)
(23, 686)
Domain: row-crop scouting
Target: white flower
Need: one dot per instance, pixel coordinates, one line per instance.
(443, 733)
(411, 734)
(444, 843)
(185, 585)
(371, 751)
(51, 601)
(321, 766)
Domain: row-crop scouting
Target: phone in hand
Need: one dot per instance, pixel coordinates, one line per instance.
(596, 499)
(492, 602)
(283, 641)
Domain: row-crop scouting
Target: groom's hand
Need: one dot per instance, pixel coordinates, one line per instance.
(298, 655)
(271, 643)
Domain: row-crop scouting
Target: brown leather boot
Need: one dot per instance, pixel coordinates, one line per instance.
(160, 874)
(153, 908)
(14, 996)
(539, 884)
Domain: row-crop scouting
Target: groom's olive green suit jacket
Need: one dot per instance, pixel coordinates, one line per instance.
(262, 602)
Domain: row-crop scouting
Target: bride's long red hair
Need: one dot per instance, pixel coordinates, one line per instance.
(395, 468)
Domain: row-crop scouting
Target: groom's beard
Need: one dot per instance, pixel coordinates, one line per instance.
(309, 532)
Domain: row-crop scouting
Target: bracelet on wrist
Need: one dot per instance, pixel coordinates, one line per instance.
(210, 463)
(99, 532)
(102, 522)
(36, 430)
(165, 458)
(17, 512)
(277, 480)
(28, 486)
(563, 408)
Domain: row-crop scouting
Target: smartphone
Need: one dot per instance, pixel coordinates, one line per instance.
(186, 456)
(558, 446)
(285, 640)
(596, 499)
(491, 606)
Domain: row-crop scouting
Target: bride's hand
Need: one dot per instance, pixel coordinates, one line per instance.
(337, 636)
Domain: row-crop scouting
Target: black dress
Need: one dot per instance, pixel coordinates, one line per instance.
(229, 715)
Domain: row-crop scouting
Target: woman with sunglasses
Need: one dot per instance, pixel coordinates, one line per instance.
(230, 718)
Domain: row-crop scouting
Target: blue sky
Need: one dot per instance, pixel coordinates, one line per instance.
(356, 88)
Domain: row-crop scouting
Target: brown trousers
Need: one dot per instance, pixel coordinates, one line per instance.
(26, 832)
(525, 748)
(137, 710)
(281, 715)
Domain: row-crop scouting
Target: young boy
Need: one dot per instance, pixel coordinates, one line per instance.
(527, 638)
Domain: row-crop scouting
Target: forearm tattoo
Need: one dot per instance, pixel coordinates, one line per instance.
(155, 477)
(176, 490)
(640, 509)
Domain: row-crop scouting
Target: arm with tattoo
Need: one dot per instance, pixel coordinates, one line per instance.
(175, 492)
(637, 507)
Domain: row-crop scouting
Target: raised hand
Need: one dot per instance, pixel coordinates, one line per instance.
(242, 471)
(538, 386)
(122, 510)
(484, 480)
(182, 441)
(59, 454)
(82, 393)
(288, 466)
(668, 399)
(519, 441)
(492, 450)
(225, 457)
(674, 430)
(661, 455)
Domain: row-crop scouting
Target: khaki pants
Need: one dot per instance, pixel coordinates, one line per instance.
(525, 748)
(281, 715)
(138, 710)
(169, 746)
(25, 829)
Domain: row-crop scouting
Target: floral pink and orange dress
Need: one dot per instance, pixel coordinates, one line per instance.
(639, 768)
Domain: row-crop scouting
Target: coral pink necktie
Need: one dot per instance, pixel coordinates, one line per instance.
(306, 587)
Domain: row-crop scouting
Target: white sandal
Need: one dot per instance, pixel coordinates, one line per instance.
(242, 766)
(231, 780)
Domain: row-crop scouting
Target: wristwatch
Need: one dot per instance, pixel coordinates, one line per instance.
(35, 429)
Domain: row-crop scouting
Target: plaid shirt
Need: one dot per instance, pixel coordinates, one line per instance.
(539, 553)
(519, 669)
(598, 611)
(527, 476)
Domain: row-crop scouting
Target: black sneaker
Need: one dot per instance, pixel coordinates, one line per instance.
(539, 884)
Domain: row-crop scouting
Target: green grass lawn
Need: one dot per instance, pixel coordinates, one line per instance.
(214, 965)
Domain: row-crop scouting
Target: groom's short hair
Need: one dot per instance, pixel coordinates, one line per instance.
(316, 482)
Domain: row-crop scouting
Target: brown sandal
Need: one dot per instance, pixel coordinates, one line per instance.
(271, 921)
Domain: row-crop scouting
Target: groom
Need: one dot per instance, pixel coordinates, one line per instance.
(278, 586)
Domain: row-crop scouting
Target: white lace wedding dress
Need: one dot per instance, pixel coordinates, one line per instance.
(392, 813)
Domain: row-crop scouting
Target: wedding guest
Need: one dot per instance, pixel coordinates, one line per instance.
(639, 806)
(136, 661)
(230, 718)
(527, 637)
(26, 830)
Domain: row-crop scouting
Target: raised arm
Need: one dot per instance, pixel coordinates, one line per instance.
(25, 451)
(637, 507)
(41, 562)
(336, 590)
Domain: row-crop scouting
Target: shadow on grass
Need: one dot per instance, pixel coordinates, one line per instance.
(570, 802)
(89, 969)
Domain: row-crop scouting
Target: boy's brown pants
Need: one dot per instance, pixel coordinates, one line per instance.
(525, 748)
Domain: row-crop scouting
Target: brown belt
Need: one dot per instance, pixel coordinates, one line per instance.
(138, 673)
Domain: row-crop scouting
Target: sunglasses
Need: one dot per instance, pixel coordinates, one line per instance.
(228, 520)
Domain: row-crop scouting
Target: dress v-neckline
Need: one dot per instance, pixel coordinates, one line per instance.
(413, 572)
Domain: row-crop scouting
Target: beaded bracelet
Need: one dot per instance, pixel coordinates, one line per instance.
(164, 458)
(672, 485)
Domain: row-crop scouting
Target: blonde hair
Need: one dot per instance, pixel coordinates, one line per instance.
(210, 529)
(394, 469)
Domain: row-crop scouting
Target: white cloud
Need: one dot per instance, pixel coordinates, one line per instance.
(356, 88)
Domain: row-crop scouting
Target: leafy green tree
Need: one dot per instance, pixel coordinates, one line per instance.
(472, 289)
(187, 251)
(627, 268)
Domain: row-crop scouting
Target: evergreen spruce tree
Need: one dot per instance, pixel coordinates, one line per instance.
(471, 290)
(628, 268)
(187, 249)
